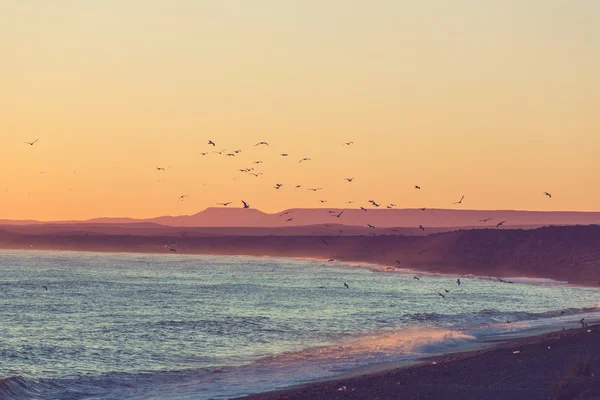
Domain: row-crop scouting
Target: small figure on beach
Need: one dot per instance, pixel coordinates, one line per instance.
(582, 323)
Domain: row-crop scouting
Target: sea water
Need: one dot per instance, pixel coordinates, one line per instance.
(132, 326)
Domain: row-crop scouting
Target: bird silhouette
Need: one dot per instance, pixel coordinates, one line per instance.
(374, 203)
(297, 186)
(204, 154)
(278, 185)
(416, 277)
(284, 154)
(348, 143)
(183, 196)
(45, 287)
(257, 162)
(350, 202)
(315, 189)
(160, 168)
(331, 260)
(230, 155)
(364, 209)
(339, 215)
(422, 209)
(304, 159)
(259, 143)
(500, 224)
(257, 175)
(485, 220)
(347, 287)
(289, 219)
(398, 262)
(286, 213)
(224, 204)
(245, 204)
(323, 201)
(421, 228)
(324, 242)
(460, 201)
(237, 151)
(219, 152)
(446, 290)
(211, 142)
(548, 194)
(371, 226)
(32, 143)
(417, 187)
(349, 179)
(442, 295)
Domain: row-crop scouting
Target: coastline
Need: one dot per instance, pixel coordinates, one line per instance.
(528, 367)
(564, 254)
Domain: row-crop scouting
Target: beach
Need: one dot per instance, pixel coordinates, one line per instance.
(548, 366)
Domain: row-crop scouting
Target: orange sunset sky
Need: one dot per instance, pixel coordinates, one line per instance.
(496, 100)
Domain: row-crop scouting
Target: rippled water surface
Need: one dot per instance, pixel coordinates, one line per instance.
(131, 326)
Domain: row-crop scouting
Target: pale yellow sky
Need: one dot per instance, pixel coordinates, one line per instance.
(496, 100)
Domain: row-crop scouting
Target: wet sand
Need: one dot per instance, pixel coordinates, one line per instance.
(531, 368)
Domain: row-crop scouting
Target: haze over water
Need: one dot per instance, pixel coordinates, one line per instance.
(130, 326)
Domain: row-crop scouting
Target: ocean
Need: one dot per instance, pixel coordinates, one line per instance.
(151, 326)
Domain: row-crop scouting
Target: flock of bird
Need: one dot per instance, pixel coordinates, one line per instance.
(278, 186)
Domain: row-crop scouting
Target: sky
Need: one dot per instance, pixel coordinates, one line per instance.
(495, 100)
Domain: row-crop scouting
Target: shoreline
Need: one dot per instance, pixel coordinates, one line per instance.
(512, 358)
(372, 266)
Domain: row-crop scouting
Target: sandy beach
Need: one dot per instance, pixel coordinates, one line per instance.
(557, 365)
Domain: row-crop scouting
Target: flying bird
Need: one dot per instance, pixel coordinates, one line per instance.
(237, 151)
(32, 143)
(284, 154)
(350, 202)
(371, 226)
(278, 185)
(416, 277)
(441, 295)
(160, 168)
(460, 201)
(257, 175)
(304, 159)
(398, 262)
(422, 209)
(257, 162)
(374, 203)
(211, 142)
(548, 194)
(324, 242)
(349, 179)
(331, 260)
(446, 290)
(297, 186)
(224, 204)
(203, 154)
(183, 196)
(259, 143)
(245, 204)
(338, 215)
(364, 209)
(500, 224)
(219, 152)
(323, 201)
(421, 228)
(286, 213)
(230, 155)
(289, 219)
(417, 187)
(45, 287)
(315, 189)
(348, 143)
(485, 220)
(347, 287)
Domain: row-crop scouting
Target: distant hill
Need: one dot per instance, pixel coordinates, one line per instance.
(381, 218)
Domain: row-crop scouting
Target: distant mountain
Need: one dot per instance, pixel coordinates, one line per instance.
(380, 218)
